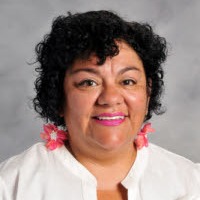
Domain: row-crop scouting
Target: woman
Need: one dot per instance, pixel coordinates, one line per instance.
(100, 80)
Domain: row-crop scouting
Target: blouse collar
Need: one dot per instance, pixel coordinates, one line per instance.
(137, 169)
(130, 181)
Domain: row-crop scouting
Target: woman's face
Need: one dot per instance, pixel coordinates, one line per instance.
(105, 105)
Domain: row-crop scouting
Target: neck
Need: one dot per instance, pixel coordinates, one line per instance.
(109, 167)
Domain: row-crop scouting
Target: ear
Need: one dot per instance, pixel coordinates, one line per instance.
(62, 109)
(61, 112)
(147, 105)
(149, 87)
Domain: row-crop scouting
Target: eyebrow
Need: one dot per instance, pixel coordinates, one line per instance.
(94, 71)
(122, 71)
(91, 70)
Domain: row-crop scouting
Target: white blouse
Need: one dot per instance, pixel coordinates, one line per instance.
(39, 174)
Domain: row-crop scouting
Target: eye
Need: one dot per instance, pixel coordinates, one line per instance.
(128, 82)
(87, 83)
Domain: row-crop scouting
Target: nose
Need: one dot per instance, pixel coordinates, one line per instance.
(110, 96)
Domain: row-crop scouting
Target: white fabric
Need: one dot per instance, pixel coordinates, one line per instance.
(39, 174)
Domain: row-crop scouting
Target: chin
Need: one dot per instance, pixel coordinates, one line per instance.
(112, 144)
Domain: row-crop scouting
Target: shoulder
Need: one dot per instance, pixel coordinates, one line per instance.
(35, 156)
(25, 167)
(175, 169)
(29, 175)
(160, 154)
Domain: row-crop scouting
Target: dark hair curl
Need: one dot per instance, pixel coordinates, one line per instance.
(76, 36)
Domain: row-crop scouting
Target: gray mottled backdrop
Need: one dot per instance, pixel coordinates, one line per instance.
(24, 22)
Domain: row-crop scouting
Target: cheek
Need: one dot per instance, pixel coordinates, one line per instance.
(137, 106)
(137, 100)
(78, 104)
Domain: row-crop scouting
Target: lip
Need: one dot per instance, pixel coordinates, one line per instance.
(111, 114)
(110, 122)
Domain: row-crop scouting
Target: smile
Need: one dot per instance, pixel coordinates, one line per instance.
(110, 119)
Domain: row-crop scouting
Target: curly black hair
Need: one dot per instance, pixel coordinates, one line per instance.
(77, 36)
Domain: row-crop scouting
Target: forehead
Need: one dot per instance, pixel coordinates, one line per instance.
(127, 57)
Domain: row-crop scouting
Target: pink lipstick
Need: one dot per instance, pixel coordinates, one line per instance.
(110, 119)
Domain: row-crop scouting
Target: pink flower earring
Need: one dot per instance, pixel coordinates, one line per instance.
(141, 140)
(53, 136)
